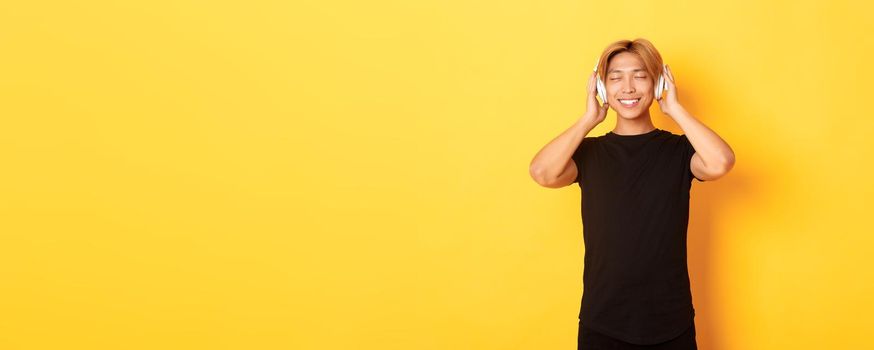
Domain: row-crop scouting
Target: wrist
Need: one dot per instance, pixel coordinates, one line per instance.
(587, 122)
(674, 112)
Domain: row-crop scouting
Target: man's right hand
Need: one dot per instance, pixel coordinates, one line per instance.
(595, 114)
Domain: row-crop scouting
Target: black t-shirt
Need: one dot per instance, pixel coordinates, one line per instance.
(635, 212)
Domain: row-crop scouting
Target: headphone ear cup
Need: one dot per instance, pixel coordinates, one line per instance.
(664, 79)
(599, 85)
(660, 86)
(602, 90)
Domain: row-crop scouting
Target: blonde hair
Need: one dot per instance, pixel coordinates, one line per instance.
(641, 47)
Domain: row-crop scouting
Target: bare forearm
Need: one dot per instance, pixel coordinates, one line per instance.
(550, 161)
(714, 152)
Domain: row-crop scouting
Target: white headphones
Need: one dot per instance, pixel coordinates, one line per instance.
(661, 84)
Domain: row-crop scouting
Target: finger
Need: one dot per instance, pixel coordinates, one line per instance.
(669, 80)
(670, 75)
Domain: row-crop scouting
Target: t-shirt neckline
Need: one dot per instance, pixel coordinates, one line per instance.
(651, 132)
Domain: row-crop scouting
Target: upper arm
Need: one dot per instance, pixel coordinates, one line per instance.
(567, 176)
(696, 165)
(572, 172)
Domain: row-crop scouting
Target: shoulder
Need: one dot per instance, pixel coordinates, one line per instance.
(586, 145)
(590, 140)
(675, 139)
(670, 135)
(674, 143)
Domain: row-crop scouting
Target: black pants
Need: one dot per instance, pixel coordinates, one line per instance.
(588, 339)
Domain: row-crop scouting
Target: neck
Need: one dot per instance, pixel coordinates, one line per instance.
(640, 125)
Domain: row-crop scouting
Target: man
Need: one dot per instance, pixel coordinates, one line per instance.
(635, 182)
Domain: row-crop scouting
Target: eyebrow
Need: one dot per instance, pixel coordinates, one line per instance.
(620, 70)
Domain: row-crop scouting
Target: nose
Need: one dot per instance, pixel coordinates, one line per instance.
(628, 86)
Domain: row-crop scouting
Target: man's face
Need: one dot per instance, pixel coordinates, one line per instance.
(627, 80)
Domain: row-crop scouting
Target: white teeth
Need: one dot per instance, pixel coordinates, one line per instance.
(628, 102)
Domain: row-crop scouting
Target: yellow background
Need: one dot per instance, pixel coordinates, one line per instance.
(354, 174)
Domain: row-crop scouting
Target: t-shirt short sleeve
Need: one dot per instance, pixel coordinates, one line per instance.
(688, 152)
(579, 157)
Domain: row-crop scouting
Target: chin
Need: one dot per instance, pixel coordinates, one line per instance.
(633, 113)
(629, 116)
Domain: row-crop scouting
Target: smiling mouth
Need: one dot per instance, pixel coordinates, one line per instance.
(630, 103)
